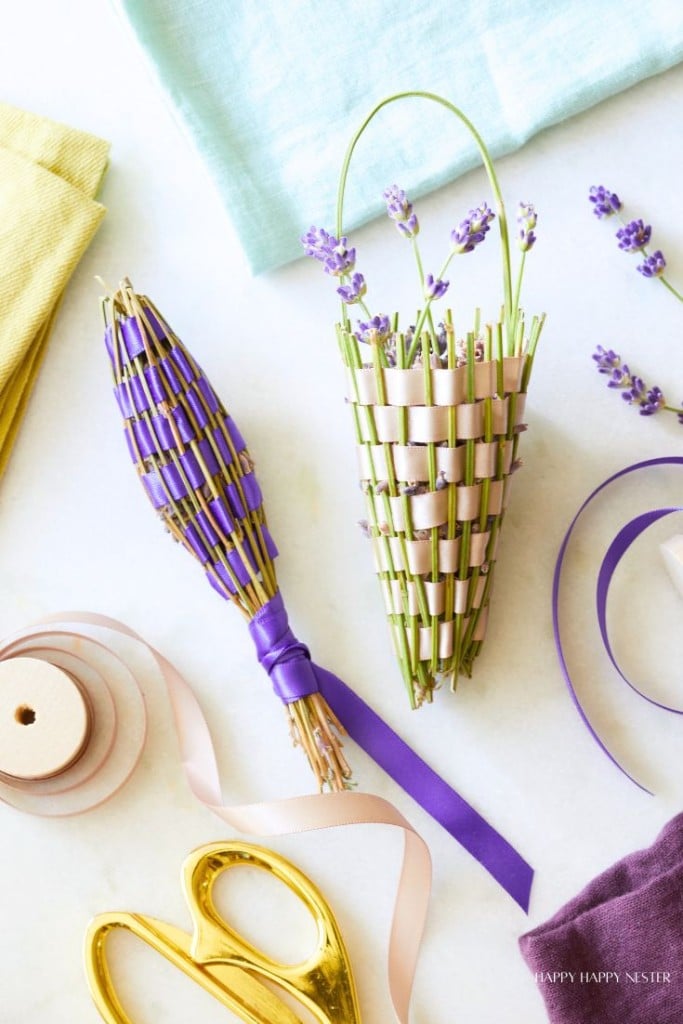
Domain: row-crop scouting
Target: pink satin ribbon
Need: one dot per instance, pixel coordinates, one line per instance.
(272, 818)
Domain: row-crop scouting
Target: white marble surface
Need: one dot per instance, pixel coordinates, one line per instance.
(75, 531)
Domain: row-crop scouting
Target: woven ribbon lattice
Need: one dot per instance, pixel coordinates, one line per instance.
(436, 448)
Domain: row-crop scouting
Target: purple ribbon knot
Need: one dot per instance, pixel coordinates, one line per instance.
(286, 659)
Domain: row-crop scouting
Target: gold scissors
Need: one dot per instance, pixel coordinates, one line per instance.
(222, 961)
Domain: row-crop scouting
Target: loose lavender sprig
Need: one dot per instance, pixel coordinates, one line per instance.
(633, 236)
(648, 400)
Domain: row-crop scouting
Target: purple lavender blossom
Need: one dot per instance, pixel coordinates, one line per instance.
(435, 289)
(526, 219)
(653, 266)
(636, 391)
(375, 330)
(634, 236)
(409, 228)
(633, 388)
(333, 253)
(398, 206)
(471, 231)
(652, 403)
(400, 209)
(605, 203)
(619, 377)
(354, 291)
(606, 359)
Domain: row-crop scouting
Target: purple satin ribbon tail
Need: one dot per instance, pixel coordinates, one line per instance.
(294, 675)
(428, 789)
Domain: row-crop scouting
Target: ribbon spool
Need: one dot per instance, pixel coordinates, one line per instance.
(45, 719)
(72, 722)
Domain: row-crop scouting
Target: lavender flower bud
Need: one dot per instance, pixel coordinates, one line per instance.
(481, 218)
(634, 236)
(619, 377)
(471, 231)
(353, 292)
(636, 392)
(526, 219)
(652, 403)
(401, 210)
(605, 203)
(398, 206)
(435, 289)
(333, 253)
(374, 331)
(606, 359)
(409, 228)
(317, 243)
(653, 266)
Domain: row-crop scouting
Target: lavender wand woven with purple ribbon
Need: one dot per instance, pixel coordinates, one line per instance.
(196, 470)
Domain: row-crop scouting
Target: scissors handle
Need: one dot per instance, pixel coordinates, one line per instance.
(251, 1001)
(323, 982)
(224, 963)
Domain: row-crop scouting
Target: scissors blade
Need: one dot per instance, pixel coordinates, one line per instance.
(249, 997)
(260, 1004)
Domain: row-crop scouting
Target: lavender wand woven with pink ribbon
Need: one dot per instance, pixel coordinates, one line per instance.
(196, 470)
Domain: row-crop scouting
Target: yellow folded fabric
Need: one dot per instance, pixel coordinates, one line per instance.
(49, 174)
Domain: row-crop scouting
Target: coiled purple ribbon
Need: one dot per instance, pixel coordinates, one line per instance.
(616, 551)
(294, 675)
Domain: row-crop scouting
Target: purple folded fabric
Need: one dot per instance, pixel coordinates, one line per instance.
(614, 954)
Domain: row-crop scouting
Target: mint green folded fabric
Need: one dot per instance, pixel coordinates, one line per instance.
(271, 91)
